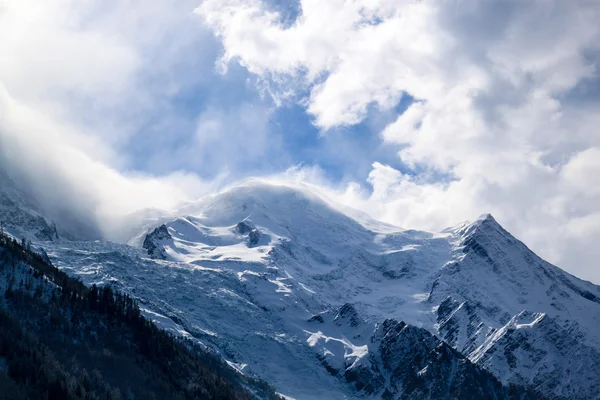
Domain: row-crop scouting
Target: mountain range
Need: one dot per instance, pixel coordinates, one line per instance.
(321, 301)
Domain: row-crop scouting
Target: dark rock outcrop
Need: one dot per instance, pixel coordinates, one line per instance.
(254, 237)
(247, 228)
(152, 242)
(243, 227)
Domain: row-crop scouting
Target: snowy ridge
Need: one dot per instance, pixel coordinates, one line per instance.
(279, 280)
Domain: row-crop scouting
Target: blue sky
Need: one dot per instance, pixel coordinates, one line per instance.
(423, 113)
(344, 153)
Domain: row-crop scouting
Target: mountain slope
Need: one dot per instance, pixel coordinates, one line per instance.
(533, 349)
(395, 360)
(61, 340)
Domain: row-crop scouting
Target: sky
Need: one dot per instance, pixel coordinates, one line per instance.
(421, 113)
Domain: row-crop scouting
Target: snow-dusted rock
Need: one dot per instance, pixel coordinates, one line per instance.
(533, 349)
(156, 241)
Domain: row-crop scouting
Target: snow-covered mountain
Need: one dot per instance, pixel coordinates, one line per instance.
(324, 302)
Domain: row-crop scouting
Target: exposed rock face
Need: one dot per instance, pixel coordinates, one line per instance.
(460, 325)
(152, 242)
(243, 227)
(533, 349)
(396, 360)
(253, 237)
(247, 228)
(406, 362)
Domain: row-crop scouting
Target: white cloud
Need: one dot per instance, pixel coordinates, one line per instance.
(577, 173)
(46, 49)
(498, 115)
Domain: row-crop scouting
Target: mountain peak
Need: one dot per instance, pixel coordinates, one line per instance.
(485, 224)
(280, 204)
(485, 221)
(486, 217)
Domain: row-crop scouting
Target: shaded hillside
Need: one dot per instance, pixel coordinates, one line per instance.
(62, 340)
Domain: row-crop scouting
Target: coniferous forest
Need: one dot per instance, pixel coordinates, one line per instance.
(62, 340)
